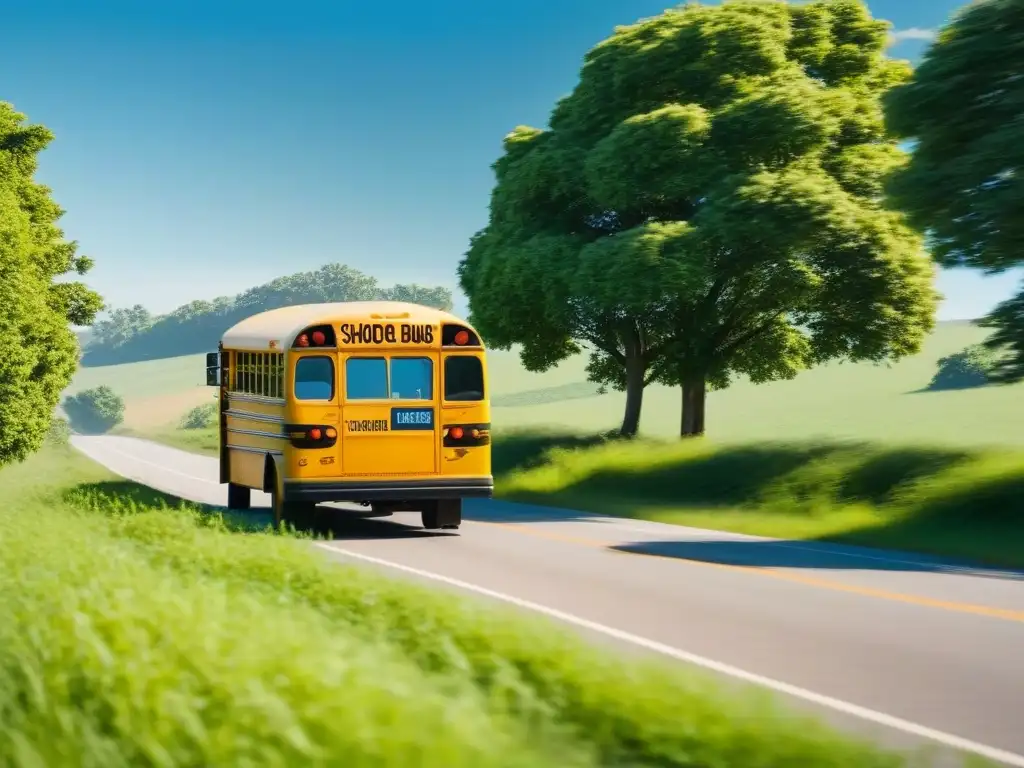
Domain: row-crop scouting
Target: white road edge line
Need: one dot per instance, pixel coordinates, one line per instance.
(949, 740)
(838, 705)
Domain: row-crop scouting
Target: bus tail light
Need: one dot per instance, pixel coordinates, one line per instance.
(465, 435)
(311, 436)
(458, 336)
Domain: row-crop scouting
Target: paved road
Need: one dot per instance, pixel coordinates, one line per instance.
(911, 649)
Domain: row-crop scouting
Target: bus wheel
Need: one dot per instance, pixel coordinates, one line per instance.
(444, 513)
(239, 496)
(297, 514)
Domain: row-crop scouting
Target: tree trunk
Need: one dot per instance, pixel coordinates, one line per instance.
(694, 400)
(634, 395)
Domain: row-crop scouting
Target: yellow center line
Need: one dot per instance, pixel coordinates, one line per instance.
(810, 581)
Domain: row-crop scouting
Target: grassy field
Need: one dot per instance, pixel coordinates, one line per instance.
(135, 630)
(859, 402)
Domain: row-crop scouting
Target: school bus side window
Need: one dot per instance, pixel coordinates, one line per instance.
(366, 378)
(463, 379)
(412, 378)
(314, 378)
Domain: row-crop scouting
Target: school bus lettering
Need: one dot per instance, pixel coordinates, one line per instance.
(367, 425)
(417, 334)
(379, 333)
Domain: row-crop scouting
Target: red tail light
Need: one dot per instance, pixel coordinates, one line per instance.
(315, 434)
(456, 432)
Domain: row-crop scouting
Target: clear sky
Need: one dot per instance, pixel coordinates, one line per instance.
(206, 147)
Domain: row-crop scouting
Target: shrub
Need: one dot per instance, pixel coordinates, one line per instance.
(94, 411)
(59, 433)
(200, 417)
(971, 367)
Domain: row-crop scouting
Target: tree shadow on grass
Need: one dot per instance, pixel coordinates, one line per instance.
(979, 523)
(114, 497)
(746, 476)
(515, 451)
(983, 522)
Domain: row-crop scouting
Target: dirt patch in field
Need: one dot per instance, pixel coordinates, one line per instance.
(164, 410)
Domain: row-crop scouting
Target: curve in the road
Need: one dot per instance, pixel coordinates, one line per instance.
(872, 635)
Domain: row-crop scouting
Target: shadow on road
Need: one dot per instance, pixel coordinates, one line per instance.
(802, 554)
(115, 497)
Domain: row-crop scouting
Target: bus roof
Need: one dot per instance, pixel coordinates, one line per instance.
(284, 324)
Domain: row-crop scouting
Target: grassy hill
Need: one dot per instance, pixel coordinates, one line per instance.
(863, 402)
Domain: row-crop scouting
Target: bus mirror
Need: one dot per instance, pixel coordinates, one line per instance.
(212, 369)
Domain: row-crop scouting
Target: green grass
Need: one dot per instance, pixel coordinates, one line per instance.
(859, 402)
(136, 630)
(965, 503)
(956, 502)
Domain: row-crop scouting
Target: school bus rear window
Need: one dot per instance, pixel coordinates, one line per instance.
(366, 378)
(463, 379)
(259, 373)
(412, 378)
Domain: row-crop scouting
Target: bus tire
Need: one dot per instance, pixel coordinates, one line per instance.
(443, 513)
(295, 514)
(239, 496)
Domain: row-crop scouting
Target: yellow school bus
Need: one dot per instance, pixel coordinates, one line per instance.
(380, 403)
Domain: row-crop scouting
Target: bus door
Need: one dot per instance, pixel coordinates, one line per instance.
(315, 415)
(466, 415)
(390, 413)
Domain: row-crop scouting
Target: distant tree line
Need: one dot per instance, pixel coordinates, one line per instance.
(132, 334)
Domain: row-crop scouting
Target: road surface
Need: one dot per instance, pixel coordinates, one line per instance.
(911, 649)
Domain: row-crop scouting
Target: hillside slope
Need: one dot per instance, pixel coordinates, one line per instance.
(838, 401)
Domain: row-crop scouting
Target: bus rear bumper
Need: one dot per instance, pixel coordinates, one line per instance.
(390, 490)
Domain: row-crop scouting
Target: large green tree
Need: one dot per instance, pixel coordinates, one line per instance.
(38, 350)
(964, 185)
(707, 203)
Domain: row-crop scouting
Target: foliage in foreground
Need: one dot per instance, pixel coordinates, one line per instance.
(94, 411)
(38, 351)
(140, 635)
(706, 203)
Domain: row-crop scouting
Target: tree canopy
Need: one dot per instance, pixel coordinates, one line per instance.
(38, 304)
(707, 202)
(132, 334)
(964, 185)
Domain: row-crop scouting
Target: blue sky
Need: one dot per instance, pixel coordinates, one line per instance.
(203, 148)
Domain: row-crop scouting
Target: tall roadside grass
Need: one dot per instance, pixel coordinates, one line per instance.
(964, 503)
(136, 630)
